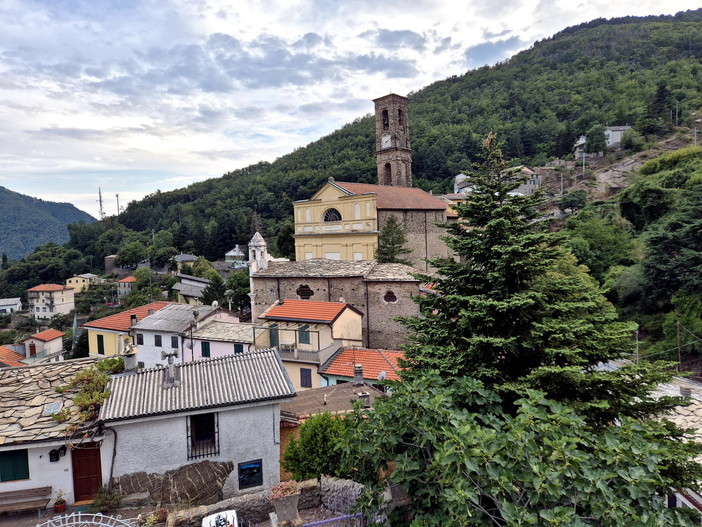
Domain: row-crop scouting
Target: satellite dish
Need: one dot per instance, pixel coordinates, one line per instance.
(215, 303)
(382, 375)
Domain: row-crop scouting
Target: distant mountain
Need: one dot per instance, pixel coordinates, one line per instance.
(28, 222)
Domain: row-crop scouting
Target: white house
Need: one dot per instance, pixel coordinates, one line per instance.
(124, 286)
(10, 305)
(34, 448)
(47, 300)
(190, 289)
(44, 345)
(218, 417)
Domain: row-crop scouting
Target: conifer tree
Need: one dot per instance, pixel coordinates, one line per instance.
(391, 243)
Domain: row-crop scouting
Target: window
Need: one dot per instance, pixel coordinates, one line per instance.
(275, 339)
(205, 349)
(357, 211)
(250, 474)
(387, 174)
(14, 465)
(304, 292)
(400, 119)
(157, 341)
(390, 297)
(386, 120)
(203, 436)
(308, 215)
(332, 215)
(238, 348)
(303, 334)
(140, 339)
(101, 344)
(174, 342)
(306, 377)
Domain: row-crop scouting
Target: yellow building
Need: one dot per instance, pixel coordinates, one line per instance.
(81, 282)
(108, 335)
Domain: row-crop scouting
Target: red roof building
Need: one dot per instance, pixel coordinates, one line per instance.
(378, 364)
(123, 321)
(49, 334)
(48, 288)
(307, 311)
(9, 358)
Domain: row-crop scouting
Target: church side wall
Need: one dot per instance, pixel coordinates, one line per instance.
(423, 235)
(388, 300)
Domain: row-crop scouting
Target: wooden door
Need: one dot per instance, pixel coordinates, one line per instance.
(87, 473)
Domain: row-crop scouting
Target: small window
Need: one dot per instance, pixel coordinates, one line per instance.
(140, 339)
(174, 342)
(101, 344)
(250, 474)
(14, 465)
(140, 364)
(238, 348)
(332, 215)
(387, 174)
(303, 334)
(306, 377)
(390, 297)
(157, 341)
(203, 436)
(304, 292)
(205, 348)
(386, 120)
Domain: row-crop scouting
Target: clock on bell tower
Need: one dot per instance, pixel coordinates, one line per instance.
(392, 147)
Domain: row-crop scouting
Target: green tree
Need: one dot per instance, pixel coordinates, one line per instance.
(131, 254)
(60, 321)
(465, 460)
(215, 291)
(391, 243)
(238, 288)
(201, 266)
(596, 140)
(573, 200)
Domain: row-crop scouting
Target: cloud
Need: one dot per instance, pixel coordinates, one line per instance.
(396, 39)
(489, 53)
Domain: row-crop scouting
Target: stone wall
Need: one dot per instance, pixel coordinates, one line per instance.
(256, 507)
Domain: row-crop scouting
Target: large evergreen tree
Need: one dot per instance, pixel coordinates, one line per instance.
(391, 243)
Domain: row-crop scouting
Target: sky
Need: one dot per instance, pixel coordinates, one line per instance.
(134, 96)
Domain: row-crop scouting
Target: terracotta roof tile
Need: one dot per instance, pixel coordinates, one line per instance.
(49, 334)
(374, 361)
(395, 198)
(10, 358)
(305, 311)
(49, 288)
(127, 280)
(122, 321)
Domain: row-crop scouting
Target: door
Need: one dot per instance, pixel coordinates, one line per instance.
(87, 474)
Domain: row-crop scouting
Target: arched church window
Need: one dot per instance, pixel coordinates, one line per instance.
(390, 297)
(304, 292)
(400, 117)
(387, 174)
(332, 215)
(386, 120)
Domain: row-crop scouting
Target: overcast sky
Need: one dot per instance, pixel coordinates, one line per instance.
(137, 95)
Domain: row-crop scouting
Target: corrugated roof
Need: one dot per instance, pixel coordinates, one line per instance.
(305, 311)
(10, 358)
(226, 381)
(122, 321)
(46, 336)
(49, 288)
(374, 361)
(395, 198)
(173, 318)
(25, 398)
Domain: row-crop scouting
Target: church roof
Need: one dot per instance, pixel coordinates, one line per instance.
(395, 198)
(369, 270)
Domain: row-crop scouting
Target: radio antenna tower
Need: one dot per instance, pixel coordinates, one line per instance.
(102, 211)
(117, 196)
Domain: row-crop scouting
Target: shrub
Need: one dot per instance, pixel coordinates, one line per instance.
(106, 500)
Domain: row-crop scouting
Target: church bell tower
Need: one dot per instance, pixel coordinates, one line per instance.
(392, 147)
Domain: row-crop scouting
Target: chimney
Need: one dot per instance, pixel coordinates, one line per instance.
(685, 391)
(151, 311)
(170, 380)
(130, 357)
(365, 397)
(133, 319)
(358, 374)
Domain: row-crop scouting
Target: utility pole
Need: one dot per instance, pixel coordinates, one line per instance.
(117, 196)
(677, 327)
(102, 211)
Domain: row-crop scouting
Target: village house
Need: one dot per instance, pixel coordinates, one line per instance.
(108, 335)
(342, 220)
(82, 282)
(306, 333)
(125, 286)
(190, 289)
(378, 365)
(218, 337)
(45, 345)
(208, 428)
(47, 300)
(10, 305)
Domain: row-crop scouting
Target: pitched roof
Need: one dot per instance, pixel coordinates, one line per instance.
(26, 397)
(306, 311)
(10, 358)
(228, 331)
(323, 268)
(336, 399)
(222, 382)
(123, 321)
(49, 288)
(395, 198)
(374, 362)
(127, 280)
(173, 318)
(46, 336)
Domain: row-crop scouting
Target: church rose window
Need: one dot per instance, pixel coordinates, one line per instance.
(304, 292)
(332, 215)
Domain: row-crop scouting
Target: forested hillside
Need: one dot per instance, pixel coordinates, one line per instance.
(27, 222)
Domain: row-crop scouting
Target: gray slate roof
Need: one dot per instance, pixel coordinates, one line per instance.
(226, 381)
(189, 290)
(323, 268)
(26, 392)
(226, 331)
(174, 318)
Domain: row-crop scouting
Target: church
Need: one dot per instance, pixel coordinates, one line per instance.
(342, 220)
